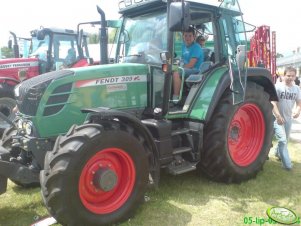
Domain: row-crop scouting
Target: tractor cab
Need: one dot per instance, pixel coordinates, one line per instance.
(57, 48)
(153, 36)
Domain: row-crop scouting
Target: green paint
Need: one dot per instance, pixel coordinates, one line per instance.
(203, 98)
(206, 94)
(122, 86)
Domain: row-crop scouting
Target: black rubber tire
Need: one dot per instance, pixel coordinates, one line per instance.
(6, 140)
(7, 105)
(216, 161)
(64, 165)
(1, 131)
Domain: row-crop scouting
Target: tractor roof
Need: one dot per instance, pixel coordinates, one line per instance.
(58, 30)
(134, 8)
(50, 30)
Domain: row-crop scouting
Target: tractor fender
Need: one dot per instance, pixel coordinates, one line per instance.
(7, 90)
(263, 77)
(258, 75)
(99, 114)
(13, 80)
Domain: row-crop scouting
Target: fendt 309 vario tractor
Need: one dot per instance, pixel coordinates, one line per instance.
(50, 49)
(128, 128)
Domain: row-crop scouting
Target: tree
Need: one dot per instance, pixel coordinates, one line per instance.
(112, 33)
(279, 55)
(6, 52)
(94, 37)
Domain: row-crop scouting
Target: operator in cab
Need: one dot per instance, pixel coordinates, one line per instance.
(192, 58)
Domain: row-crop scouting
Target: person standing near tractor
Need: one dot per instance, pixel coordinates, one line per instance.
(288, 94)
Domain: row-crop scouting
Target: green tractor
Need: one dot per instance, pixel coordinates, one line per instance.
(101, 134)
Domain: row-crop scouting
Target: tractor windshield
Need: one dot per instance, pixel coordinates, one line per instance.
(62, 45)
(144, 38)
(39, 48)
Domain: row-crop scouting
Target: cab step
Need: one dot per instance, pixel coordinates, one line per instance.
(180, 131)
(181, 168)
(180, 150)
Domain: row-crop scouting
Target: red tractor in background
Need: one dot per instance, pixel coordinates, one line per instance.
(50, 49)
(263, 50)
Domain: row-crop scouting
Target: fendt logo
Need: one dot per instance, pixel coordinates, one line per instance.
(111, 80)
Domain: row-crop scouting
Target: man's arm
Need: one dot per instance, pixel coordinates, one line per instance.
(191, 63)
(276, 113)
(297, 110)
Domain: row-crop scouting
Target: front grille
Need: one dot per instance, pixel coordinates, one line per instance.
(58, 99)
(52, 110)
(63, 88)
(32, 90)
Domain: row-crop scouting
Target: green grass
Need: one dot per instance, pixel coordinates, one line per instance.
(187, 199)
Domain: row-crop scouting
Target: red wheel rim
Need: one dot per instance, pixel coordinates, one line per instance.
(246, 134)
(120, 164)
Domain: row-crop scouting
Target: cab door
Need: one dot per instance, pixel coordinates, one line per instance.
(235, 43)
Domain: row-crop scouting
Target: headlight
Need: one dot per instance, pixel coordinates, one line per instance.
(20, 124)
(17, 90)
(28, 127)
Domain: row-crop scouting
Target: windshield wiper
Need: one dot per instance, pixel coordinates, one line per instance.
(135, 54)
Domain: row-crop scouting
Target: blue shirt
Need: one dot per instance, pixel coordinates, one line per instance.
(193, 51)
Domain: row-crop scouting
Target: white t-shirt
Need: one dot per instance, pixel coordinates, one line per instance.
(287, 96)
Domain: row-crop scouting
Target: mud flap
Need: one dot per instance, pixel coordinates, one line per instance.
(3, 184)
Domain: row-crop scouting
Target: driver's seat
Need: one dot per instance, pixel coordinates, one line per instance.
(195, 78)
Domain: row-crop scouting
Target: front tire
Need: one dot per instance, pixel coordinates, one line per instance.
(238, 138)
(7, 104)
(6, 142)
(94, 176)
(7, 137)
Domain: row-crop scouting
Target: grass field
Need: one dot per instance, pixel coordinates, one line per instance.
(188, 199)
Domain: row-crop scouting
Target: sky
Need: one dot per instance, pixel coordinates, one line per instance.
(23, 16)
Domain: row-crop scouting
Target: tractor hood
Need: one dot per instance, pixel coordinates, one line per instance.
(12, 68)
(54, 100)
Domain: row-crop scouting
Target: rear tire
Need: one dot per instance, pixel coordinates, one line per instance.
(238, 138)
(94, 176)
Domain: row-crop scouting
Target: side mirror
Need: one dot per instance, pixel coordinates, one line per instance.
(10, 44)
(179, 16)
(124, 37)
(241, 57)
